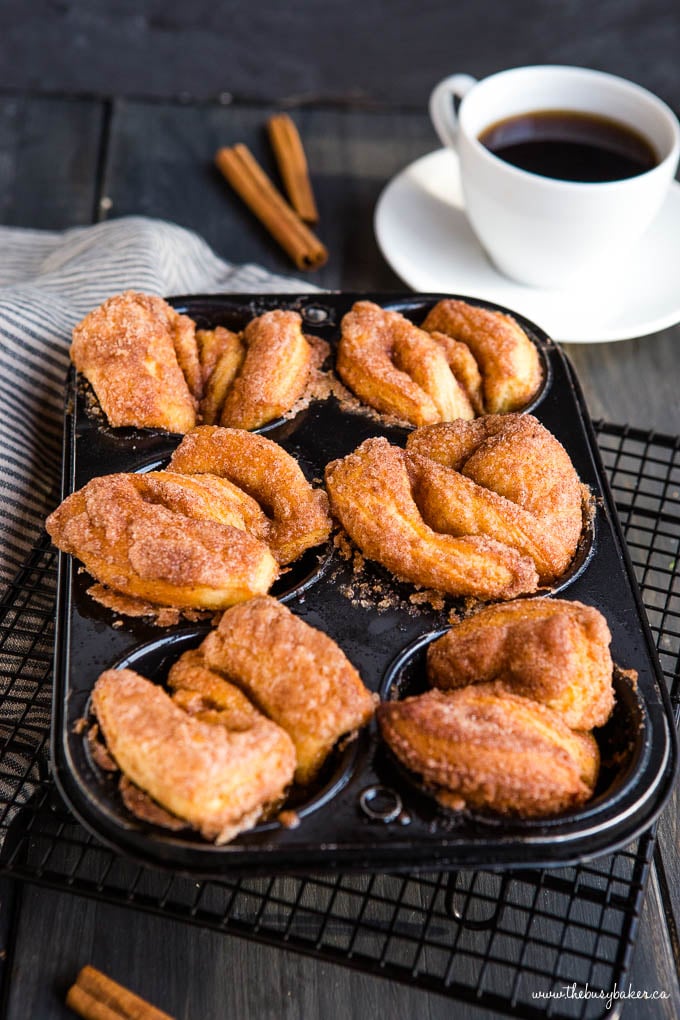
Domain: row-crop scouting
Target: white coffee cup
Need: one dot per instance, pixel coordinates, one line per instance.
(539, 230)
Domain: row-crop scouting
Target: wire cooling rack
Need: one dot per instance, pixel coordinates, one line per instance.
(506, 942)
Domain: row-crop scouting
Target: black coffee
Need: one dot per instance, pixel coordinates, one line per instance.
(570, 146)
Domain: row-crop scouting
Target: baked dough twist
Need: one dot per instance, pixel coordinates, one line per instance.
(483, 746)
(150, 367)
(372, 496)
(462, 362)
(261, 375)
(297, 514)
(218, 774)
(141, 358)
(550, 650)
(169, 539)
(196, 536)
(508, 362)
(295, 674)
(503, 476)
(397, 368)
(485, 508)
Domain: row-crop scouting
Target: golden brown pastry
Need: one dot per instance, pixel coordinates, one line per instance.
(221, 353)
(297, 514)
(505, 477)
(462, 362)
(140, 357)
(294, 674)
(216, 778)
(207, 695)
(372, 495)
(483, 746)
(550, 650)
(397, 368)
(170, 539)
(272, 375)
(150, 367)
(508, 361)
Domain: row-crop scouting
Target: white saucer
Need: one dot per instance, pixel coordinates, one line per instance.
(424, 235)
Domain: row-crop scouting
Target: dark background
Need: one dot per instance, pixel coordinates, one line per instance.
(371, 51)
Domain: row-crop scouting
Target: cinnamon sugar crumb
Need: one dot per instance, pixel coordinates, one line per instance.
(374, 592)
(98, 750)
(428, 596)
(145, 809)
(159, 616)
(343, 544)
(289, 819)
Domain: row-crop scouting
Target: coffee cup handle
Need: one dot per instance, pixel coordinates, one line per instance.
(442, 113)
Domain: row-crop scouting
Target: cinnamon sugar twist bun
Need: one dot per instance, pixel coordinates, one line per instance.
(397, 368)
(165, 538)
(140, 357)
(260, 374)
(484, 746)
(505, 477)
(297, 515)
(372, 496)
(462, 362)
(218, 773)
(259, 704)
(550, 650)
(151, 368)
(487, 508)
(295, 674)
(209, 532)
(509, 367)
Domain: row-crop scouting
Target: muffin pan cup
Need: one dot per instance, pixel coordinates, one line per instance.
(365, 813)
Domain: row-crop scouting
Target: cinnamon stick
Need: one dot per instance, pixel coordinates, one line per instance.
(290, 156)
(251, 183)
(94, 996)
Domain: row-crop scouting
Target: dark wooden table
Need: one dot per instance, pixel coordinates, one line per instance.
(66, 162)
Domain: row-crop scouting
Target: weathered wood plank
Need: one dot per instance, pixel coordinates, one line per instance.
(633, 381)
(161, 164)
(654, 966)
(49, 150)
(196, 973)
(391, 51)
(191, 972)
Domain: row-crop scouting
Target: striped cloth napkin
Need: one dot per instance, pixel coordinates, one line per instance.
(48, 282)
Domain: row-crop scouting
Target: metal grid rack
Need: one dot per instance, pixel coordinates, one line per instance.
(491, 940)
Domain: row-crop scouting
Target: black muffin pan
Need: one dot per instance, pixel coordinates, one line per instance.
(366, 812)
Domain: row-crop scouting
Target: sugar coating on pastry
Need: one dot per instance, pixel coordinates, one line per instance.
(141, 359)
(463, 361)
(397, 368)
(150, 367)
(294, 674)
(508, 361)
(372, 496)
(273, 373)
(202, 692)
(221, 354)
(551, 650)
(297, 514)
(504, 476)
(165, 538)
(219, 780)
(489, 748)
